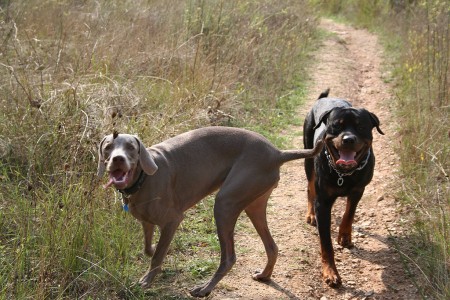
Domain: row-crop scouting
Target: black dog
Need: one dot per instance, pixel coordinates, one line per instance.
(343, 168)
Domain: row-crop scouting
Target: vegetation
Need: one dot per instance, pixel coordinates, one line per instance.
(420, 44)
(72, 71)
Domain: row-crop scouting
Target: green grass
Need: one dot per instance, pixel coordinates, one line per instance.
(72, 72)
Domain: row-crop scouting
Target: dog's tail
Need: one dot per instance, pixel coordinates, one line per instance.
(324, 94)
(287, 155)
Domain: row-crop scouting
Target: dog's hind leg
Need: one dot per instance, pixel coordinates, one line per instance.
(308, 143)
(311, 190)
(256, 211)
(243, 185)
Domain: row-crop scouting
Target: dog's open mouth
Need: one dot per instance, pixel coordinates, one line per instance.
(119, 178)
(346, 160)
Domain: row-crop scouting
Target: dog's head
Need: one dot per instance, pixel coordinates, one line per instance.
(348, 135)
(120, 155)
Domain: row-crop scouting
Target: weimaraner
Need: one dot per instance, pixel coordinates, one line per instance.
(163, 181)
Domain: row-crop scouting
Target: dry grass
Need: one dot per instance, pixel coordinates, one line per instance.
(424, 105)
(71, 71)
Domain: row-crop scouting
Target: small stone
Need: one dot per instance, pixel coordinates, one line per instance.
(366, 224)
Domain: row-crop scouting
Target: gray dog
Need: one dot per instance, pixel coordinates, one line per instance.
(163, 181)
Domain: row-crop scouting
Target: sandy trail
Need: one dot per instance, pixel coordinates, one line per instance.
(348, 62)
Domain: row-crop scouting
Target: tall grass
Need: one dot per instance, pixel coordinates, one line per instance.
(416, 33)
(424, 104)
(72, 71)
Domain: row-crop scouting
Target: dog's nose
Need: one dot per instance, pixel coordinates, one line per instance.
(118, 159)
(348, 139)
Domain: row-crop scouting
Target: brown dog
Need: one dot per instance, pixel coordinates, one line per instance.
(185, 169)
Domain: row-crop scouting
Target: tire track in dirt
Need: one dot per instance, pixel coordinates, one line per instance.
(348, 62)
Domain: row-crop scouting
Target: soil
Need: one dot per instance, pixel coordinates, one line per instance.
(350, 63)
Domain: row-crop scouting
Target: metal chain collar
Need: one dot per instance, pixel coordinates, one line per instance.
(340, 180)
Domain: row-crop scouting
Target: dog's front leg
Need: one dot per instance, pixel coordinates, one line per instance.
(345, 229)
(149, 229)
(330, 274)
(167, 233)
(225, 222)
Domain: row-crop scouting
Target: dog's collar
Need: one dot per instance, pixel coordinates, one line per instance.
(341, 175)
(127, 192)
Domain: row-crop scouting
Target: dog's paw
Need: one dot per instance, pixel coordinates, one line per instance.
(200, 291)
(146, 280)
(260, 276)
(144, 283)
(345, 240)
(311, 219)
(331, 278)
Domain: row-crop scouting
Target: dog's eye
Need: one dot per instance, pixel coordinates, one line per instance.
(337, 126)
(130, 147)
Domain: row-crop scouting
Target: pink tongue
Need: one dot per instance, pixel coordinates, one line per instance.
(110, 182)
(346, 158)
(115, 177)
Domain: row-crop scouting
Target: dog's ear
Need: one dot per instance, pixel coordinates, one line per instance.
(146, 160)
(323, 119)
(101, 160)
(376, 122)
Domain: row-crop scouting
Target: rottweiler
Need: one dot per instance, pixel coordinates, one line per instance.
(342, 169)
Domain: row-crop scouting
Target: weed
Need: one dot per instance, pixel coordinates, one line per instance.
(73, 71)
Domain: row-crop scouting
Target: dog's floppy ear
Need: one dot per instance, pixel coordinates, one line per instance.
(101, 160)
(376, 122)
(323, 119)
(146, 160)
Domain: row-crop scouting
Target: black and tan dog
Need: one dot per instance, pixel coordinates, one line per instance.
(343, 168)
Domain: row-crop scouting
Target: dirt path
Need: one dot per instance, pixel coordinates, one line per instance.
(349, 62)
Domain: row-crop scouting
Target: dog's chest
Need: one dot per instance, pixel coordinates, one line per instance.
(154, 210)
(339, 185)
